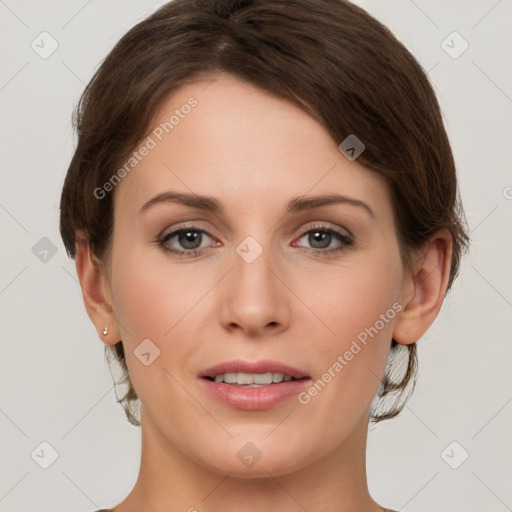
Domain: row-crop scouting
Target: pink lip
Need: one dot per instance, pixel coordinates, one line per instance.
(254, 398)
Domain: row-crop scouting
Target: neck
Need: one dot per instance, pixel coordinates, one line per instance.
(168, 481)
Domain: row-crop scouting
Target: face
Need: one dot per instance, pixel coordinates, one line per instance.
(257, 283)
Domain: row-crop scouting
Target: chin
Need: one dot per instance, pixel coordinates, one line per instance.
(257, 458)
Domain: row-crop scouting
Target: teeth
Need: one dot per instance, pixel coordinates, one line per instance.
(258, 378)
(252, 379)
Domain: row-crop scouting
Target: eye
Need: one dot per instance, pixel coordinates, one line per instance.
(321, 237)
(188, 239)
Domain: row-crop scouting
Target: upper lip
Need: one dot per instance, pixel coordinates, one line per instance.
(264, 366)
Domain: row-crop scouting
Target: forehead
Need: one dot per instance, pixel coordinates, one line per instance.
(231, 139)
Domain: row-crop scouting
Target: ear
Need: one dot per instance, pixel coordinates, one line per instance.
(95, 290)
(425, 289)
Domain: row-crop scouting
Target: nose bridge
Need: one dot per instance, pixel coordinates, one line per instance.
(253, 262)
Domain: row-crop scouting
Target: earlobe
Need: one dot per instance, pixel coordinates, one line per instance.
(94, 287)
(429, 281)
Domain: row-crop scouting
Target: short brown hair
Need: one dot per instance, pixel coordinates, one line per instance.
(332, 59)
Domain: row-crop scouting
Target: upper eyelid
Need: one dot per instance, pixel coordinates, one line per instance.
(191, 226)
(327, 226)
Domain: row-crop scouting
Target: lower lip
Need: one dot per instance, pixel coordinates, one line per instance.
(257, 398)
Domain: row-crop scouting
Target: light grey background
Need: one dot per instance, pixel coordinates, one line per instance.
(54, 383)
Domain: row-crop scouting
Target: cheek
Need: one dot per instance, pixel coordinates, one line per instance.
(154, 300)
(159, 303)
(359, 305)
(152, 295)
(351, 298)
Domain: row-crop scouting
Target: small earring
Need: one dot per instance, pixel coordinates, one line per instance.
(105, 331)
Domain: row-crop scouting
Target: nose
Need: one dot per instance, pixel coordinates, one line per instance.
(255, 297)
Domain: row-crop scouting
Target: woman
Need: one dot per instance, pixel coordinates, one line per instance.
(263, 211)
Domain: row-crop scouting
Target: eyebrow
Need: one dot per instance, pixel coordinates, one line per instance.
(298, 204)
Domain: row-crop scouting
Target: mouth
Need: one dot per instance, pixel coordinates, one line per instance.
(253, 385)
(253, 373)
(252, 380)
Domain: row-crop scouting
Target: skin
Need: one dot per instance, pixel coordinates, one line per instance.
(254, 153)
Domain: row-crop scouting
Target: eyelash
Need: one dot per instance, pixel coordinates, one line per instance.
(345, 239)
